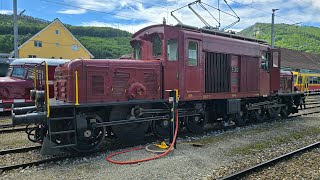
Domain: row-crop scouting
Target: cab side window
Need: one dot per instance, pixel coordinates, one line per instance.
(156, 45)
(172, 50)
(265, 60)
(137, 51)
(193, 53)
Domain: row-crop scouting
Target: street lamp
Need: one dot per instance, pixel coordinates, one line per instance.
(272, 27)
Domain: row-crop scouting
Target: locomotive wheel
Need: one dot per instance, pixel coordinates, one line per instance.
(127, 133)
(161, 128)
(195, 124)
(285, 111)
(90, 138)
(259, 115)
(240, 120)
(273, 113)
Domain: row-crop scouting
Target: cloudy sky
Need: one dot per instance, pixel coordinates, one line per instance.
(131, 15)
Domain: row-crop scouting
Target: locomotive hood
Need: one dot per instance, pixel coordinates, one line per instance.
(14, 88)
(108, 80)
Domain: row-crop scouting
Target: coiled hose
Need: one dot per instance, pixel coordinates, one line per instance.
(108, 158)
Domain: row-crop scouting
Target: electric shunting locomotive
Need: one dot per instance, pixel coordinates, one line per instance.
(220, 77)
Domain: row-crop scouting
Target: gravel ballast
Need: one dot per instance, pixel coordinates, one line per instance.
(221, 149)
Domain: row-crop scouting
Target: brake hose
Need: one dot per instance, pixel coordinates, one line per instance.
(108, 158)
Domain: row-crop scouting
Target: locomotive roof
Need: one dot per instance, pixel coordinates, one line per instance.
(51, 62)
(206, 31)
(219, 33)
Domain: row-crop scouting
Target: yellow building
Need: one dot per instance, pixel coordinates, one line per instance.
(54, 41)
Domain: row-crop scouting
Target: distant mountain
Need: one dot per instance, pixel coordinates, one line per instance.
(302, 38)
(102, 42)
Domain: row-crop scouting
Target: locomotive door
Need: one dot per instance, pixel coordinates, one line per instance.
(275, 70)
(192, 68)
(171, 71)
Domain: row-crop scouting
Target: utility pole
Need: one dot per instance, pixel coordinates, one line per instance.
(272, 28)
(15, 29)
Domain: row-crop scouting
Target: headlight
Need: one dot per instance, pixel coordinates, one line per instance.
(40, 97)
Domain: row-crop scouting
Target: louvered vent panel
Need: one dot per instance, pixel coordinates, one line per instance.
(217, 72)
(97, 85)
(119, 83)
(150, 80)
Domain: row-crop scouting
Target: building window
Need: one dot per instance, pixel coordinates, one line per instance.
(57, 31)
(57, 44)
(38, 43)
(74, 47)
(193, 53)
(32, 56)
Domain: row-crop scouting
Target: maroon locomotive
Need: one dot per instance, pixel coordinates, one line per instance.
(15, 87)
(220, 77)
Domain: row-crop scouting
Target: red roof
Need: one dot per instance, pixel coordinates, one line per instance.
(299, 60)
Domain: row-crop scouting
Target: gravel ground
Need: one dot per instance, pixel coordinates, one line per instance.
(221, 149)
(303, 166)
(14, 140)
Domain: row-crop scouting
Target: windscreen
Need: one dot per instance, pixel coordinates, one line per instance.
(18, 72)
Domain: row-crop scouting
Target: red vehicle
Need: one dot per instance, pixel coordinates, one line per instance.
(220, 77)
(15, 87)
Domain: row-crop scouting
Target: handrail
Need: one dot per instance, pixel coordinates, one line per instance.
(77, 89)
(47, 87)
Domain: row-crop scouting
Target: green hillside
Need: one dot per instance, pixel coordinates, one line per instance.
(302, 38)
(102, 42)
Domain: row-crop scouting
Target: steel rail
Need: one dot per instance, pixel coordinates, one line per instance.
(12, 130)
(19, 150)
(247, 171)
(34, 163)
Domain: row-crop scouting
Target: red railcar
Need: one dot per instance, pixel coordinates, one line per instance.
(15, 87)
(219, 76)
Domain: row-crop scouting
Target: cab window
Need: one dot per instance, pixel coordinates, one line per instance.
(265, 60)
(295, 79)
(300, 80)
(172, 50)
(18, 72)
(193, 53)
(156, 45)
(275, 59)
(137, 51)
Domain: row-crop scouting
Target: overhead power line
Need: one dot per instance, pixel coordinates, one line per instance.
(250, 6)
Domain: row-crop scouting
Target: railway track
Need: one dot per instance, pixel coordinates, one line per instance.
(150, 139)
(245, 172)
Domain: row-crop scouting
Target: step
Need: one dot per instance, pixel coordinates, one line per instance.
(61, 118)
(64, 146)
(63, 132)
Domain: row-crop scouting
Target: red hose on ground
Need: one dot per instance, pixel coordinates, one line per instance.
(108, 158)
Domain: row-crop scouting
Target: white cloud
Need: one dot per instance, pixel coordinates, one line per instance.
(126, 27)
(4, 11)
(130, 13)
(72, 11)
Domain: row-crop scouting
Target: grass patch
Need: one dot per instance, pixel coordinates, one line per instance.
(253, 148)
(6, 121)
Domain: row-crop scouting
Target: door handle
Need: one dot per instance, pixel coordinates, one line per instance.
(177, 75)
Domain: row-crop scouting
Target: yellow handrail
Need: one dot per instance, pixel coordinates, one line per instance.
(35, 78)
(47, 87)
(77, 90)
